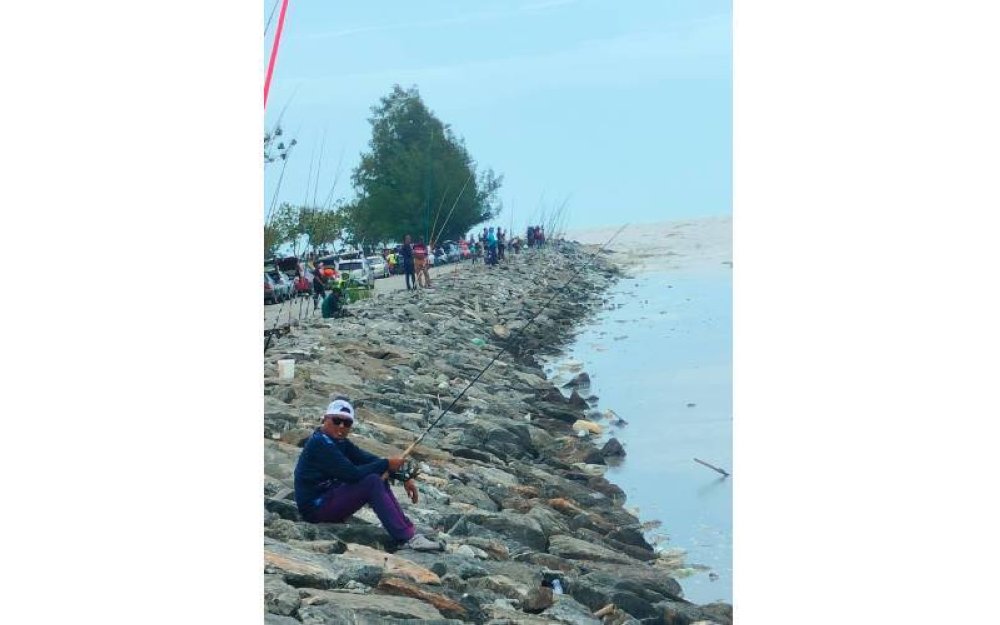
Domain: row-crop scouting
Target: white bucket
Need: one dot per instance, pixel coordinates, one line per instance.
(286, 369)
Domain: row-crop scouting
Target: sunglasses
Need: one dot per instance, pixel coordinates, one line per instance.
(342, 421)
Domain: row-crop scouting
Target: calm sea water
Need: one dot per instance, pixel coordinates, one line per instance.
(660, 356)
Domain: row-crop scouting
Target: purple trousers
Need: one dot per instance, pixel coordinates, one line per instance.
(344, 500)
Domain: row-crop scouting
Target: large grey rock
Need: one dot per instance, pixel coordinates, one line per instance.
(579, 381)
(537, 600)
(344, 608)
(305, 569)
(279, 597)
(355, 531)
(568, 610)
(283, 508)
(639, 587)
(473, 496)
(613, 448)
(576, 549)
(681, 613)
(283, 530)
(501, 585)
(549, 520)
(496, 439)
(519, 527)
(276, 619)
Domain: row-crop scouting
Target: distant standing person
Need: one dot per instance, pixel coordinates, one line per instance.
(491, 246)
(406, 253)
(319, 285)
(420, 264)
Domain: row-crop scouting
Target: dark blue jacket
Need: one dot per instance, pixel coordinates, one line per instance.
(326, 462)
(407, 253)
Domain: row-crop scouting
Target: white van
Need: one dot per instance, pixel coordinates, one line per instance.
(358, 269)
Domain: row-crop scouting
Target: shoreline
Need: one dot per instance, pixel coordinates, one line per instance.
(519, 495)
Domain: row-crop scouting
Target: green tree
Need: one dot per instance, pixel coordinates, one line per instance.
(320, 226)
(280, 228)
(418, 177)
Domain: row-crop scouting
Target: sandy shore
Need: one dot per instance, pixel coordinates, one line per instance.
(691, 244)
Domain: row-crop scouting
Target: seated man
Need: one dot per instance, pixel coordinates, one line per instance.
(334, 478)
(331, 305)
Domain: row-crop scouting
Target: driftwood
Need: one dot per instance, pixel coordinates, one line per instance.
(714, 468)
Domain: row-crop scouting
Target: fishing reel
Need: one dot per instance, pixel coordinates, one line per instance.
(408, 471)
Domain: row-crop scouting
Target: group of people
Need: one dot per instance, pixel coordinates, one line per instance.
(325, 279)
(535, 236)
(492, 244)
(413, 259)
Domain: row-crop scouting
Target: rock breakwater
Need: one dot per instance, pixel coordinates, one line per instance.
(516, 492)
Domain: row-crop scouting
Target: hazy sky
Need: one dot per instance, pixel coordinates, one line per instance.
(624, 107)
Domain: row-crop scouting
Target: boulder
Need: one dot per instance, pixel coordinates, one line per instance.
(579, 381)
(575, 549)
(683, 613)
(393, 564)
(519, 527)
(279, 597)
(304, 569)
(537, 600)
(567, 610)
(613, 448)
(501, 585)
(326, 607)
(395, 586)
(587, 426)
(576, 401)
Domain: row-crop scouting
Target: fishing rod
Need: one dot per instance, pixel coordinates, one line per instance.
(268, 220)
(336, 178)
(270, 17)
(448, 218)
(287, 153)
(319, 168)
(437, 215)
(312, 160)
(503, 348)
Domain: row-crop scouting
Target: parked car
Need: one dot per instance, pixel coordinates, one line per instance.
(270, 294)
(283, 287)
(440, 257)
(379, 266)
(295, 271)
(358, 270)
(451, 251)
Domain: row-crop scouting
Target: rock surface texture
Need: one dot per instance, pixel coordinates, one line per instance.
(506, 481)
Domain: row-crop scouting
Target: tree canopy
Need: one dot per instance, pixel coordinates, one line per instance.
(314, 226)
(418, 178)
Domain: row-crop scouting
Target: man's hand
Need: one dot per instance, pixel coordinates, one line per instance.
(395, 463)
(411, 489)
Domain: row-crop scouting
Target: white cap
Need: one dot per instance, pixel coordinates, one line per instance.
(340, 407)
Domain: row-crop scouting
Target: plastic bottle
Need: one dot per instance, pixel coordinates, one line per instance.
(557, 587)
